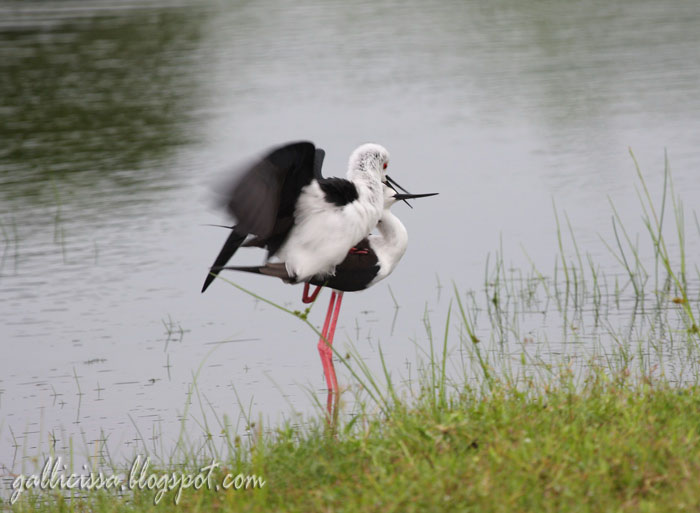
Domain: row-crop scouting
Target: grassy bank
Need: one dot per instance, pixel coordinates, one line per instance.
(610, 445)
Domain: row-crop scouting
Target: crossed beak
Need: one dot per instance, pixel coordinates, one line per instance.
(407, 195)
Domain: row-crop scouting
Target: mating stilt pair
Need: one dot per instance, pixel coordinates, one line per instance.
(282, 203)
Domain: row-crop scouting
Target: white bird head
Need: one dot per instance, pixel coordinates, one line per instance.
(369, 158)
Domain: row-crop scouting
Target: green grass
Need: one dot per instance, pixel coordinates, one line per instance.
(576, 390)
(611, 445)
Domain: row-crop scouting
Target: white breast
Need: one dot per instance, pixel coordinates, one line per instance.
(389, 245)
(323, 234)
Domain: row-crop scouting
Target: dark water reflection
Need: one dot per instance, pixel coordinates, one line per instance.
(116, 118)
(94, 99)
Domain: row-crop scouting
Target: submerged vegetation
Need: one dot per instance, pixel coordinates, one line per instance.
(575, 390)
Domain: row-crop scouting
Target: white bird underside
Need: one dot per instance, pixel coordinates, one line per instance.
(323, 233)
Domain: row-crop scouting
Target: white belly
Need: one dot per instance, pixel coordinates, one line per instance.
(323, 234)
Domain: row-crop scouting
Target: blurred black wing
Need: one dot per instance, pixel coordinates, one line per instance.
(233, 242)
(263, 199)
(268, 190)
(318, 163)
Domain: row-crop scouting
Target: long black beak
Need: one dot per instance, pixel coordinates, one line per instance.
(405, 197)
(393, 183)
(408, 195)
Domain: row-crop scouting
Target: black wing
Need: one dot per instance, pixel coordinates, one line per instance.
(262, 200)
(269, 189)
(318, 163)
(291, 188)
(234, 241)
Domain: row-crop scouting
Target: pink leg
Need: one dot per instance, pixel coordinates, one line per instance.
(329, 338)
(332, 408)
(323, 348)
(310, 298)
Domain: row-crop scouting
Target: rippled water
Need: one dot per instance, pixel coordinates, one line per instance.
(118, 118)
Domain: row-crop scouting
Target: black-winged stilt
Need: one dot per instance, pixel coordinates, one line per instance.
(312, 224)
(368, 262)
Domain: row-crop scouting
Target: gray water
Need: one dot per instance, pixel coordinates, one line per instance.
(118, 119)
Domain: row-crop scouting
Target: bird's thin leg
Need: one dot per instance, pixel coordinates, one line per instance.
(324, 348)
(326, 352)
(310, 298)
(332, 409)
(329, 338)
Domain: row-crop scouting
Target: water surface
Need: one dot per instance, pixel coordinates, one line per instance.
(118, 120)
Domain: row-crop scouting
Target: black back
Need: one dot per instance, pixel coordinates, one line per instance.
(354, 273)
(338, 191)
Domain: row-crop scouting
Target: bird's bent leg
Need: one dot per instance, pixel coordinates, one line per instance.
(324, 348)
(310, 298)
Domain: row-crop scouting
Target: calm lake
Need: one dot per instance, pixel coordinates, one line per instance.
(118, 119)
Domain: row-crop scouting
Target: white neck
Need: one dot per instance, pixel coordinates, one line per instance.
(390, 245)
(371, 193)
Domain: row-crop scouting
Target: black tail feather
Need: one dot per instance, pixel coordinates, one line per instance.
(234, 241)
(277, 270)
(256, 269)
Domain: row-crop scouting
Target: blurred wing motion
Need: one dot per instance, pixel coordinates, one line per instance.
(263, 199)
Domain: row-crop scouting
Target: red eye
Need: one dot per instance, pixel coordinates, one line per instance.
(385, 164)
